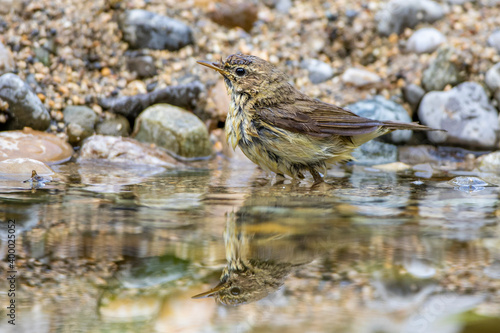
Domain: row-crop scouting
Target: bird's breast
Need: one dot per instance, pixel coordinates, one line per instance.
(238, 122)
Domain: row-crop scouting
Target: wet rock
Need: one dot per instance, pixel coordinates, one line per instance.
(375, 152)
(235, 14)
(175, 129)
(425, 40)
(116, 126)
(468, 181)
(492, 78)
(359, 77)
(23, 167)
(443, 70)
(185, 96)
(28, 143)
(24, 105)
(7, 63)
(413, 94)
(400, 14)
(465, 112)
(490, 162)
(380, 108)
(144, 29)
(319, 71)
(143, 66)
(81, 121)
(494, 40)
(123, 150)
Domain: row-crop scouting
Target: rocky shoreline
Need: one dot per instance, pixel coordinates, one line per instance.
(107, 69)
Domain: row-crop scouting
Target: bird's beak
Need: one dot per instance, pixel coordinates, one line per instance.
(213, 65)
(209, 293)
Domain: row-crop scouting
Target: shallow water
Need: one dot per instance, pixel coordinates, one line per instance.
(106, 248)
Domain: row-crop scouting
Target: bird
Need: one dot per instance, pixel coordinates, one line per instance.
(283, 130)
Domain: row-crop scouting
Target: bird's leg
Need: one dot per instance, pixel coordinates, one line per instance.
(316, 175)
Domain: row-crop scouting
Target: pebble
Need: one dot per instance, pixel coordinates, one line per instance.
(319, 71)
(413, 94)
(492, 78)
(379, 108)
(123, 150)
(24, 105)
(115, 126)
(465, 112)
(7, 63)
(400, 14)
(175, 129)
(442, 71)
(80, 122)
(425, 40)
(359, 77)
(494, 40)
(235, 14)
(143, 66)
(375, 152)
(490, 162)
(28, 143)
(144, 29)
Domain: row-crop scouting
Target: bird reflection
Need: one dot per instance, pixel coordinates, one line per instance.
(257, 262)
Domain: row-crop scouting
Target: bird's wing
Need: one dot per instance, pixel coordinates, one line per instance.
(317, 118)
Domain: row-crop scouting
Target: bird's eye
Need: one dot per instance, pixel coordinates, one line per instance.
(240, 71)
(235, 291)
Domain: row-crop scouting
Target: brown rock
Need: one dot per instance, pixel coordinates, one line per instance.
(231, 15)
(28, 143)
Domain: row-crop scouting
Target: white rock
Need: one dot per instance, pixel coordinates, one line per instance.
(359, 77)
(464, 112)
(425, 40)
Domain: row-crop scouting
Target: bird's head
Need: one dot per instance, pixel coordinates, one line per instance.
(247, 74)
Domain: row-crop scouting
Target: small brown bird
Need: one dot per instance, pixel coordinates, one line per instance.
(283, 130)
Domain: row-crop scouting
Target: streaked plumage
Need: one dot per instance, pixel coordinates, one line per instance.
(285, 131)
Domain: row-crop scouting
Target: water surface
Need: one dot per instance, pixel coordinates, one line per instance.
(107, 248)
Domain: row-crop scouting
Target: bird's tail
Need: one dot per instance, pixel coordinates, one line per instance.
(394, 125)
